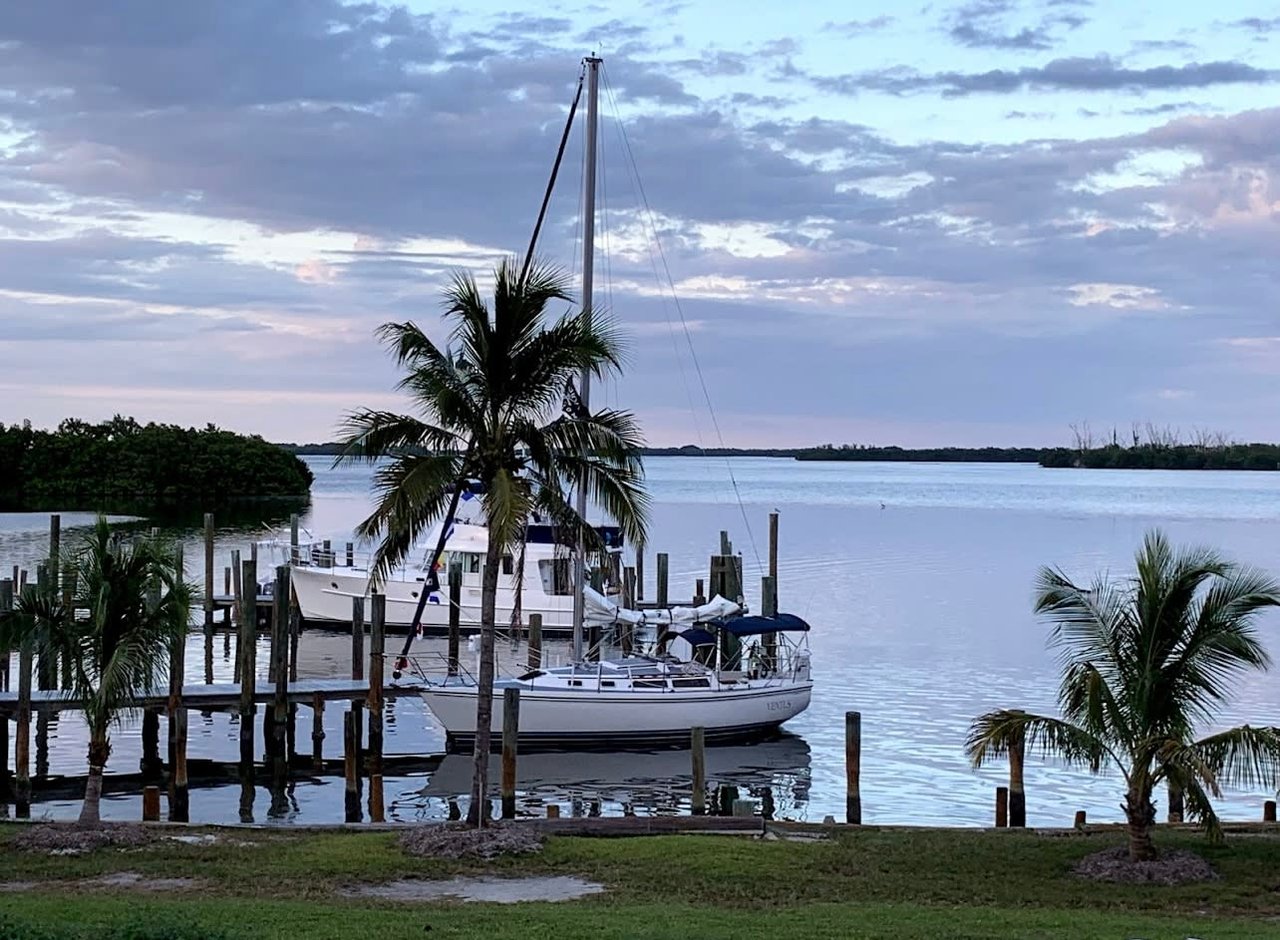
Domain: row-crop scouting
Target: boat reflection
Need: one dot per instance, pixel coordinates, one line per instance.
(775, 772)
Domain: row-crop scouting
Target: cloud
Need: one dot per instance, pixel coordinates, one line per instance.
(980, 24)
(853, 28)
(1100, 73)
(1258, 25)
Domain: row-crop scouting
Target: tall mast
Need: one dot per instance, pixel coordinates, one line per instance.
(584, 391)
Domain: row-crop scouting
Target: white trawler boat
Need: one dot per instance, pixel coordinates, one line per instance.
(641, 700)
(325, 585)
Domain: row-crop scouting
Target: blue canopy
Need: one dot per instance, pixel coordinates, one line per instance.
(697, 637)
(753, 626)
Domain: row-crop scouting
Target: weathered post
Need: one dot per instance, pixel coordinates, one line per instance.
(769, 608)
(46, 679)
(699, 594)
(327, 553)
(150, 804)
(357, 667)
(280, 665)
(535, 641)
(208, 572)
(1269, 811)
(351, 761)
(1017, 795)
(150, 765)
(1176, 803)
(1081, 819)
(293, 539)
(1002, 807)
(246, 659)
(629, 602)
(455, 616)
(510, 737)
(853, 767)
(773, 546)
(639, 595)
(661, 597)
(22, 736)
(6, 607)
(317, 733)
(55, 552)
(70, 580)
(180, 802)
(351, 555)
(235, 613)
(698, 752)
(377, 663)
(726, 546)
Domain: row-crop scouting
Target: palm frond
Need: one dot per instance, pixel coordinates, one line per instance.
(990, 736)
(1243, 756)
(369, 435)
(412, 493)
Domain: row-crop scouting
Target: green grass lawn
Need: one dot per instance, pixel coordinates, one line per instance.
(926, 883)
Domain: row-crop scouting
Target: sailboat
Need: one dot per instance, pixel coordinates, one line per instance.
(698, 673)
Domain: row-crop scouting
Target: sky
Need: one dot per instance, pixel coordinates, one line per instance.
(967, 223)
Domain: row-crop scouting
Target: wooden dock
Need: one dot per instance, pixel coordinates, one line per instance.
(225, 696)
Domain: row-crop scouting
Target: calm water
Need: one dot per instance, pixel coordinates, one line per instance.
(917, 579)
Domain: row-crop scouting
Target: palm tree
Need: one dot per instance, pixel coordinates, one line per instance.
(489, 412)
(1146, 661)
(116, 635)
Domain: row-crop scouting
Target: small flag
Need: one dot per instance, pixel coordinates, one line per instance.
(573, 405)
(433, 598)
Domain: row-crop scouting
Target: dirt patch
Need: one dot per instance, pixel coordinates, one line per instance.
(131, 879)
(70, 839)
(1171, 868)
(488, 890)
(454, 841)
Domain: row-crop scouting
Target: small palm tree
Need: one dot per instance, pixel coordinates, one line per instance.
(490, 411)
(1145, 662)
(116, 635)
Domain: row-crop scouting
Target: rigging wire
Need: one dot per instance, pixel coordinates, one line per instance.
(706, 394)
(555, 171)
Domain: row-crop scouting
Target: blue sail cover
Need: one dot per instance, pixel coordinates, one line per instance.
(753, 626)
(696, 636)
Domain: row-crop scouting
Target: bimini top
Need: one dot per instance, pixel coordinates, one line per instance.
(753, 626)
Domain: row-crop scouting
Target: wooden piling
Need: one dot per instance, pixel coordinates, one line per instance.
(510, 737)
(377, 663)
(377, 799)
(726, 547)
(357, 638)
(698, 752)
(317, 733)
(1177, 803)
(773, 546)
(769, 608)
(179, 794)
(626, 631)
(455, 617)
(22, 736)
(535, 641)
(237, 597)
(351, 555)
(1002, 807)
(246, 659)
(853, 768)
(661, 596)
(699, 594)
(280, 666)
(350, 767)
(208, 571)
(1269, 811)
(150, 765)
(1017, 795)
(55, 553)
(639, 595)
(1081, 819)
(553, 810)
(293, 539)
(326, 558)
(6, 608)
(151, 804)
(357, 666)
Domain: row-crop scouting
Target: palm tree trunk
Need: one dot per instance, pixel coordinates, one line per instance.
(99, 751)
(478, 812)
(1141, 815)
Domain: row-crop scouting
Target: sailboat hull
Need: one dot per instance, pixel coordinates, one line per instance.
(597, 719)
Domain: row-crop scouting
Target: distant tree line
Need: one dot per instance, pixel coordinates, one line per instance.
(868, 452)
(121, 463)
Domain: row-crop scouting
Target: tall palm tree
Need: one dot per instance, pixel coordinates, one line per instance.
(1146, 662)
(116, 634)
(489, 411)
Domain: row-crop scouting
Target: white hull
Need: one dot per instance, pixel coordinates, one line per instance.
(555, 717)
(326, 594)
